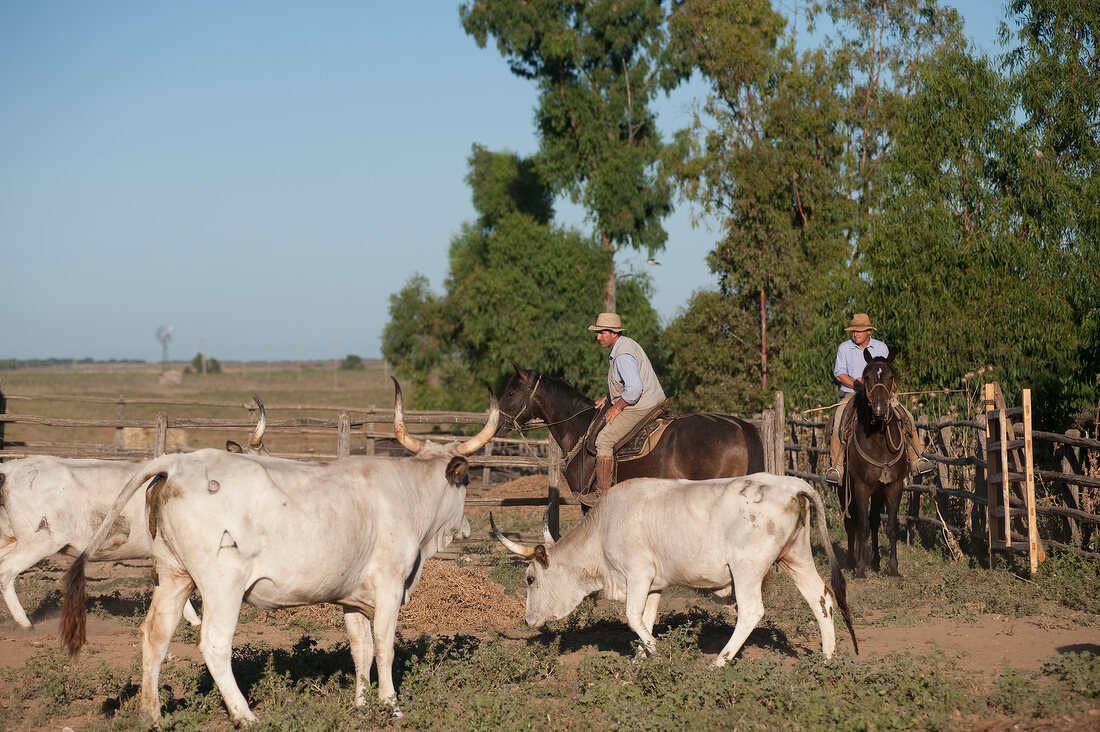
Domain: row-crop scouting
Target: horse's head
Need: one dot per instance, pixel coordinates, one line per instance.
(516, 401)
(879, 378)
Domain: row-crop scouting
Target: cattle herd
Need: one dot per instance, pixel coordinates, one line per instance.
(239, 526)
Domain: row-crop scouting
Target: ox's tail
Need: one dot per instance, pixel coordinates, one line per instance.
(840, 587)
(74, 613)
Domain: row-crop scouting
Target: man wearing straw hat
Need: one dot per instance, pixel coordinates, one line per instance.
(848, 370)
(633, 391)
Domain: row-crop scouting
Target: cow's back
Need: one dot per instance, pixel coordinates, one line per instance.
(690, 531)
(69, 498)
(302, 532)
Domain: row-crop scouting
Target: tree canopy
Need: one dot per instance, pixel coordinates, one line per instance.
(598, 65)
(888, 168)
(518, 288)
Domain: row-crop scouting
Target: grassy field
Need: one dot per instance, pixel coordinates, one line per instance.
(289, 390)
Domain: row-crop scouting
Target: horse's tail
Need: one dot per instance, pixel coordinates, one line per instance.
(74, 613)
(840, 587)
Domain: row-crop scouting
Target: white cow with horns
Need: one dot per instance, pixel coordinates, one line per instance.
(722, 535)
(280, 533)
(50, 504)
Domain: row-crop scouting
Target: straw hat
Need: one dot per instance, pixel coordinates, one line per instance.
(861, 322)
(608, 321)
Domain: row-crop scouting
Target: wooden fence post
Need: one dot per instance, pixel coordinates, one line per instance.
(1071, 464)
(160, 435)
(767, 439)
(343, 436)
(992, 527)
(486, 478)
(120, 414)
(778, 431)
(1036, 553)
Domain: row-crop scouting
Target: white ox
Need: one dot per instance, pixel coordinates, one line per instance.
(50, 504)
(279, 533)
(722, 535)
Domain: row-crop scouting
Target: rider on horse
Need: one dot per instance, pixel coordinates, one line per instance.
(633, 391)
(847, 371)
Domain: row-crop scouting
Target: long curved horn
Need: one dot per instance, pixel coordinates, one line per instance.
(257, 439)
(547, 537)
(410, 443)
(481, 439)
(518, 549)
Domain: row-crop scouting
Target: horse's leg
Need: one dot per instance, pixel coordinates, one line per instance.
(844, 495)
(851, 528)
(893, 500)
(860, 504)
(875, 519)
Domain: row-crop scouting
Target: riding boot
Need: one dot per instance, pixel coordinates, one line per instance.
(605, 466)
(921, 464)
(836, 457)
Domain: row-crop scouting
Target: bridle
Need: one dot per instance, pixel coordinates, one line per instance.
(887, 421)
(531, 400)
(528, 403)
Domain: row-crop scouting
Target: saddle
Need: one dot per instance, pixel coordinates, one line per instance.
(636, 444)
(848, 419)
(641, 440)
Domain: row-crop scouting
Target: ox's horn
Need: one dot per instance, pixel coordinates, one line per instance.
(518, 549)
(257, 439)
(547, 537)
(481, 439)
(408, 441)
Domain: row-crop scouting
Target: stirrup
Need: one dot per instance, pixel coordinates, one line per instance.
(832, 475)
(923, 466)
(590, 499)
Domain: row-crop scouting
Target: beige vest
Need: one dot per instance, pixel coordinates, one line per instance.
(652, 393)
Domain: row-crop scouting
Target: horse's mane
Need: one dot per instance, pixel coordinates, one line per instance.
(562, 391)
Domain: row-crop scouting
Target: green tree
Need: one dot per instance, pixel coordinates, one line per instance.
(518, 288)
(951, 270)
(789, 153)
(352, 362)
(1056, 76)
(202, 365)
(598, 65)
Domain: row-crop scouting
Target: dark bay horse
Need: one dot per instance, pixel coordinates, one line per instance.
(876, 464)
(694, 446)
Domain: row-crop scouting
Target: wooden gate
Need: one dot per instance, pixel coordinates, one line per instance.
(1011, 474)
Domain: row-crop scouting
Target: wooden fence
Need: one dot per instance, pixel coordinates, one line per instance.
(956, 499)
(365, 431)
(980, 485)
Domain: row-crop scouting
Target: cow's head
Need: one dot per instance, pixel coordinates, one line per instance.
(256, 442)
(554, 588)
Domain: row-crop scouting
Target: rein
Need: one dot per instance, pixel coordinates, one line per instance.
(894, 447)
(521, 428)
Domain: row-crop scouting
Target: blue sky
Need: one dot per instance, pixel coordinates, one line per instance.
(259, 175)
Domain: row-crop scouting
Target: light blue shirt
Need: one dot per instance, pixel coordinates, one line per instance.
(626, 369)
(850, 361)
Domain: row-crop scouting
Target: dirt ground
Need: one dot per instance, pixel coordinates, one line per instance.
(456, 596)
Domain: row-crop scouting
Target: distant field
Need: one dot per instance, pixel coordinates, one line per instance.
(290, 390)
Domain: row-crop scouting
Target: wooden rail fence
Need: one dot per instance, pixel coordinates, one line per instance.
(964, 496)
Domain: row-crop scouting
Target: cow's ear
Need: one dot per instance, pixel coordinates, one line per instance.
(231, 446)
(541, 556)
(458, 471)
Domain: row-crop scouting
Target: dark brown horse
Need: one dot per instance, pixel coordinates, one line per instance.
(694, 446)
(876, 464)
